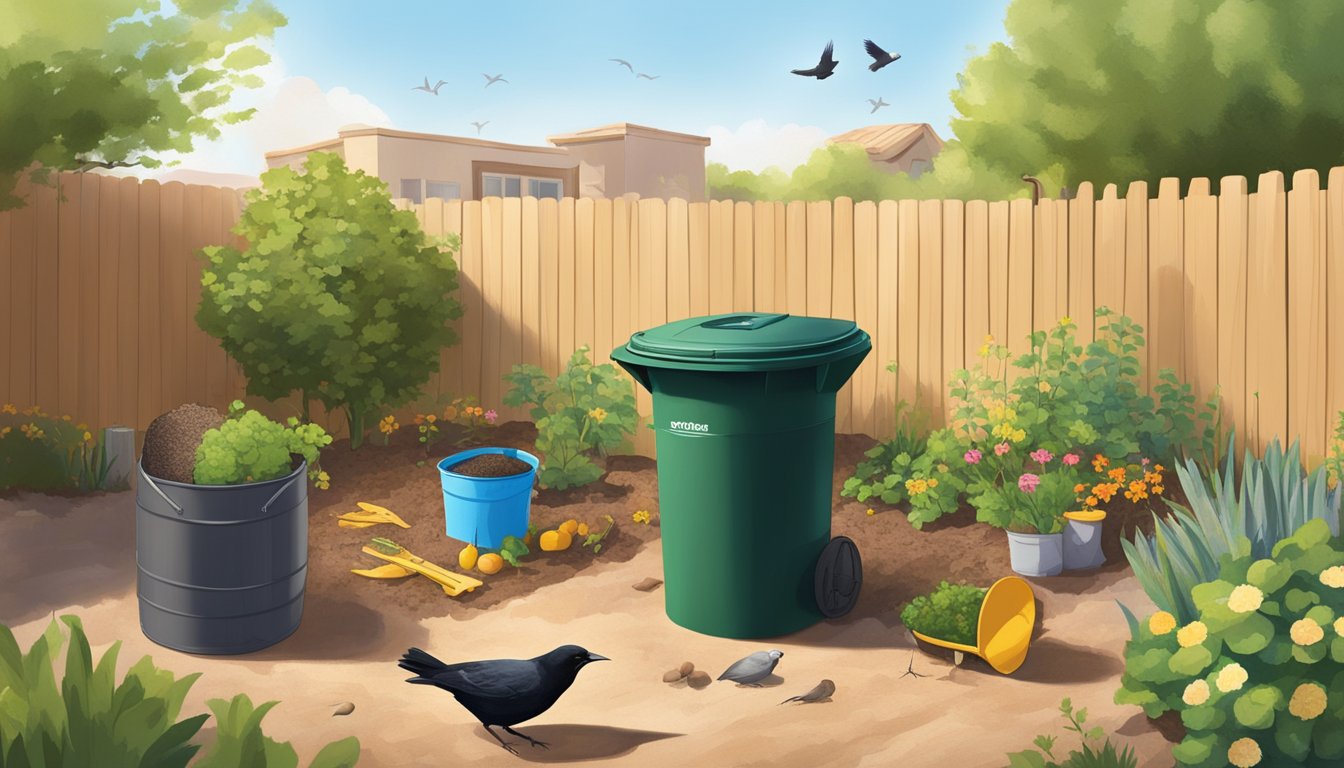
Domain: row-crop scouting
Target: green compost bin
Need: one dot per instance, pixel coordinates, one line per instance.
(744, 420)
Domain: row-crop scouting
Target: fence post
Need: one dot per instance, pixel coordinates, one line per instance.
(119, 442)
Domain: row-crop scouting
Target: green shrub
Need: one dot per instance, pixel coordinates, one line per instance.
(1334, 460)
(41, 452)
(588, 409)
(250, 448)
(87, 718)
(1258, 674)
(951, 612)
(1275, 497)
(338, 295)
(1103, 756)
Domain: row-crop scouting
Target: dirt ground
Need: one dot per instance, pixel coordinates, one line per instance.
(78, 555)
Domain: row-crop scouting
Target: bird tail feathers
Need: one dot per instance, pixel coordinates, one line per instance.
(422, 664)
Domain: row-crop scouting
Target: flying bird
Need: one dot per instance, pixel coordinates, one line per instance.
(822, 692)
(824, 68)
(503, 692)
(479, 126)
(752, 669)
(880, 57)
(428, 88)
(624, 63)
(647, 77)
(877, 104)
(489, 81)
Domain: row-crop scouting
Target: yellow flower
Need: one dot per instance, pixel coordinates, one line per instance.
(916, 487)
(871, 512)
(1117, 474)
(1333, 577)
(88, 438)
(323, 481)
(1161, 623)
(1196, 693)
(641, 516)
(1245, 599)
(5, 431)
(1244, 753)
(450, 413)
(1065, 321)
(933, 482)
(984, 350)
(1231, 678)
(1018, 436)
(942, 468)
(598, 415)
(1193, 633)
(1308, 702)
(431, 418)
(1339, 626)
(1044, 386)
(8, 408)
(66, 417)
(1306, 632)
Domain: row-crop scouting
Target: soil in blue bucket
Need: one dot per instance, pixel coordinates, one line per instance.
(490, 465)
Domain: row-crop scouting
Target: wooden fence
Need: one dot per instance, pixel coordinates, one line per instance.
(1233, 289)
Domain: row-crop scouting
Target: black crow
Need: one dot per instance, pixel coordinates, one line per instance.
(824, 68)
(503, 692)
(880, 57)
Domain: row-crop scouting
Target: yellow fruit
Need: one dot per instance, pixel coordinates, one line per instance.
(467, 557)
(490, 563)
(555, 541)
(570, 526)
(583, 529)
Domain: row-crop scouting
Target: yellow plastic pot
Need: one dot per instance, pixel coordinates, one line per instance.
(1003, 630)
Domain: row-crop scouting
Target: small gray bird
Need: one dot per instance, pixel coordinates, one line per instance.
(641, 75)
(753, 669)
(880, 57)
(479, 126)
(877, 104)
(491, 80)
(822, 692)
(625, 64)
(434, 89)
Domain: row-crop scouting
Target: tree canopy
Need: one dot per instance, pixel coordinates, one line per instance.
(113, 83)
(1114, 92)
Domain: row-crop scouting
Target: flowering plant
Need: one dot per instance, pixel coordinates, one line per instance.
(1111, 480)
(474, 419)
(1025, 494)
(40, 451)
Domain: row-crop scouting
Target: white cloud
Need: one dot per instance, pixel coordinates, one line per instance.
(755, 145)
(291, 110)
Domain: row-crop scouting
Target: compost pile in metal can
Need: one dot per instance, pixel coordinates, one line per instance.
(172, 439)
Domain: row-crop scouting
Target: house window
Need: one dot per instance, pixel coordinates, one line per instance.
(502, 186)
(444, 190)
(410, 189)
(552, 188)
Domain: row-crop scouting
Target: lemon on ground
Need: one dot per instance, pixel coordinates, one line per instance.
(467, 557)
(583, 529)
(490, 563)
(555, 541)
(570, 526)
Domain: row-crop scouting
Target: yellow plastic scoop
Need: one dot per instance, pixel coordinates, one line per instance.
(1003, 630)
(389, 571)
(369, 515)
(453, 584)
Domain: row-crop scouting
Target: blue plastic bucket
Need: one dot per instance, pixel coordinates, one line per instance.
(483, 510)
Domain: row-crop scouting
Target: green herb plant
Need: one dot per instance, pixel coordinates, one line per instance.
(596, 538)
(513, 549)
(248, 447)
(1103, 756)
(1334, 460)
(588, 411)
(951, 612)
(239, 741)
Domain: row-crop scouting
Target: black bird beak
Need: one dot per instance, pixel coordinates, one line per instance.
(594, 657)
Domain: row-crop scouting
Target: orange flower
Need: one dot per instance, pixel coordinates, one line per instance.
(1138, 490)
(450, 413)
(1100, 462)
(1091, 501)
(1105, 491)
(1079, 488)
(1117, 474)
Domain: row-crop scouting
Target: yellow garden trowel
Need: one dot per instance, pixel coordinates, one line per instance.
(405, 564)
(370, 515)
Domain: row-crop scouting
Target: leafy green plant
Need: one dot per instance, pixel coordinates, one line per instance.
(41, 452)
(951, 612)
(248, 447)
(240, 743)
(338, 295)
(1103, 756)
(587, 410)
(1334, 460)
(512, 549)
(1275, 497)
(595, 538)
(1024, 494)
(1258, 673)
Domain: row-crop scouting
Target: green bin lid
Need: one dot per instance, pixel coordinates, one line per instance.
(750, 339)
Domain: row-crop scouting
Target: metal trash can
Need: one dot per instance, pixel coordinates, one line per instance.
(744, 419)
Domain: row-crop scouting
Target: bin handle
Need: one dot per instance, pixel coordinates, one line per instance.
(266, 507)
(743, 322)
(145, 477)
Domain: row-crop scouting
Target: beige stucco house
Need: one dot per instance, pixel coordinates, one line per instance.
(610, 161)
(898, 148)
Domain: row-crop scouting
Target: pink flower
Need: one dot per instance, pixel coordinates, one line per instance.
(1145, 462)
(1028, 482)
(490, 416)
(972, 456)
(1002, 448)
(1070, 459)
(1041, 456)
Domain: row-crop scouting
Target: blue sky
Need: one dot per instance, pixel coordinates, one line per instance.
(721, 66)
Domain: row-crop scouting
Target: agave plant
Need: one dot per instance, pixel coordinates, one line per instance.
(1273, 500)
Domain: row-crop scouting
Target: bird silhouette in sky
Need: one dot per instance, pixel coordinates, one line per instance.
(880, 57)
(824, 68)
(877, 104)
(647, 77)
(479, 126)
(434, 89)
(625, 64)
(489, 81)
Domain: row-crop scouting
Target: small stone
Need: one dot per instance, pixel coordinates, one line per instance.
(698, 679)
(648, 585)
(672, 676)
(686, 668)
(344, 708)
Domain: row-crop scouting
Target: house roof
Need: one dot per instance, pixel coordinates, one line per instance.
(345, 133)
(887, 142)
(621, 130)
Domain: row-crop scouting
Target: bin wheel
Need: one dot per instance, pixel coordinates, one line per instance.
(839, 576)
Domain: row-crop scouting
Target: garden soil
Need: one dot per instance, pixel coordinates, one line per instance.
(77, 555)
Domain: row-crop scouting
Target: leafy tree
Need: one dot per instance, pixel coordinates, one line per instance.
(1119, 91)
(110, 83)
(338, 295)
